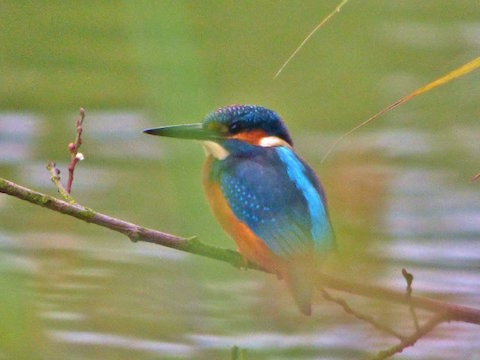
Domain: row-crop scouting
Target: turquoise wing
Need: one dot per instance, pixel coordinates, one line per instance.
(278, 196)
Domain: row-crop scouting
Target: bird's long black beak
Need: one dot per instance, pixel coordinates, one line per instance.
(188, 131)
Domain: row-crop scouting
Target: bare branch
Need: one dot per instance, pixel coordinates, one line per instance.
(408, 293)
(194, 246)
(133, 231)
(412, 339)
(453, 312)
(367, 318)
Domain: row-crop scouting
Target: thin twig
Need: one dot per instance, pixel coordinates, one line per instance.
(475, 178)
(462, 70)
(454, 312)
(55, 177)
(412, 339)
(73, 149)
(367, 318)
(408, 294)
(336, 10)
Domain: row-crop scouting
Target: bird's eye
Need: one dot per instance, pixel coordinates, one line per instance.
(235, 128)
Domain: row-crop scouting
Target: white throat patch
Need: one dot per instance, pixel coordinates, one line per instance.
(272, 141)
(214, 149)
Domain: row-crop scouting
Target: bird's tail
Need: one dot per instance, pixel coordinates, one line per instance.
(300, 280)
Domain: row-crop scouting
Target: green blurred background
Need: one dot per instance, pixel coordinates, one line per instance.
(73, 290)
(180, 59)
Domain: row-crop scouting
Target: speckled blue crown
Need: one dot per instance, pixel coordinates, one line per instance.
(251, 117)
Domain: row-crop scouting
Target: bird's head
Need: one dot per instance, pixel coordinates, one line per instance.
(233, 129)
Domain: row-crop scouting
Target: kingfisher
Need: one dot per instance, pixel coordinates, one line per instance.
(263, 194)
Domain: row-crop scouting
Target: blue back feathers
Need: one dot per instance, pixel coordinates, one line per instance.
(278, 197)
(297, 173)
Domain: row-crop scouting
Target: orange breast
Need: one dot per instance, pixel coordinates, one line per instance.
(249, 245)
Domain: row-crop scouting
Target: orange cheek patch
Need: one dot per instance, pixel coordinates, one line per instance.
(252, 137)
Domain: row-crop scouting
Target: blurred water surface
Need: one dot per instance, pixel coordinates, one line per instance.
(399, 191)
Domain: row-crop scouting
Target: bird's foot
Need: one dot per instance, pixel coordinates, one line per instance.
(244, 265)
